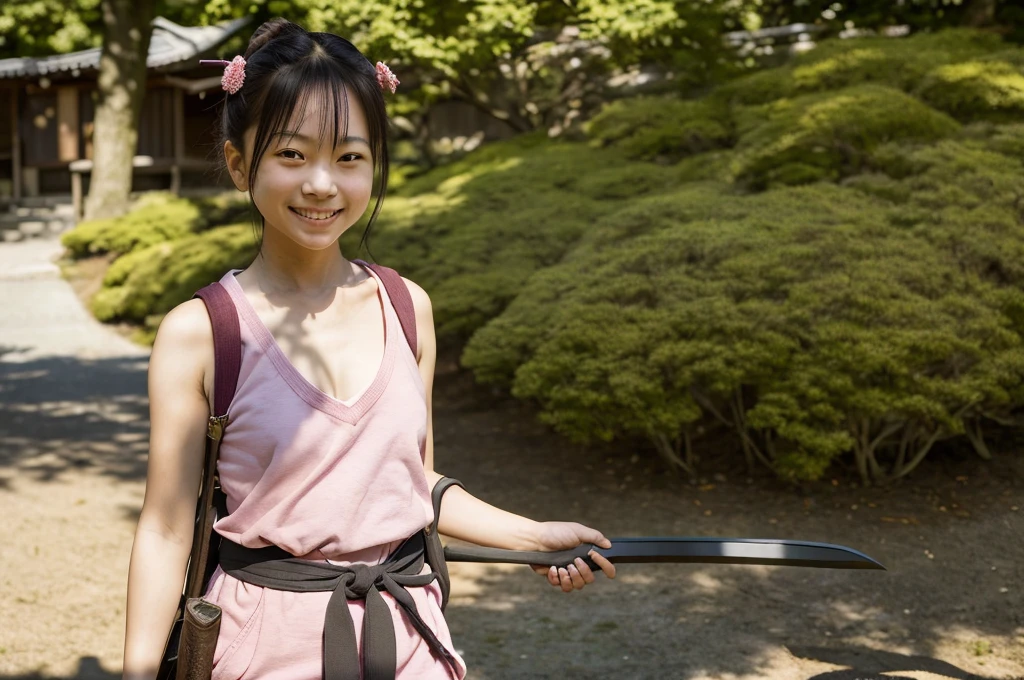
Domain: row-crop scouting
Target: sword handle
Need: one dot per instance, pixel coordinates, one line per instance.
(558, 558)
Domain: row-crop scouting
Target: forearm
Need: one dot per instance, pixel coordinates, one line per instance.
(467, 518)
(155, 578)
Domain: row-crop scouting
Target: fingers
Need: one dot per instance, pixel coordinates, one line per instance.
(600, 560)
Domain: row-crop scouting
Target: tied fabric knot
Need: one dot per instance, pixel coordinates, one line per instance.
(274, 568)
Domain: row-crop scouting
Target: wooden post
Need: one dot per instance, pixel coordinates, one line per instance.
(67, 123)
(16, 145)
(179, 140)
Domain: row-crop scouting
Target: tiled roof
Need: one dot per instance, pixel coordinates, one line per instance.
(169, 45)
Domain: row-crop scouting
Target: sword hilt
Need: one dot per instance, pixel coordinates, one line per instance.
(556, 558)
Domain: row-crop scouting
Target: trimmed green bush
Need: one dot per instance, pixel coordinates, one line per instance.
(976, 90)
(836, 64)
(154, 280)
(661, 127)
(156, 217)
(829, 135)
(801, 321)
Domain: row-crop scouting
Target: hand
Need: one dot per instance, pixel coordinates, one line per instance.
(564, 536)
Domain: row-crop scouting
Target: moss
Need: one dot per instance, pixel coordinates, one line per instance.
(661, 127)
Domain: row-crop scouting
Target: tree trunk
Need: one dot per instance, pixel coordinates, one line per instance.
(127, 28)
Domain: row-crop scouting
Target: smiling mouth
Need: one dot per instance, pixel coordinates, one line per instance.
(314, 214)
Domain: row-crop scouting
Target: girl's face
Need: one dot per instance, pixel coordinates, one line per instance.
(306, 191)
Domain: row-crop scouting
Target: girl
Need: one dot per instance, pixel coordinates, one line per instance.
(328, 454)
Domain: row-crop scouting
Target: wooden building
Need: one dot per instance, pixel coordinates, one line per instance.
(47, 107)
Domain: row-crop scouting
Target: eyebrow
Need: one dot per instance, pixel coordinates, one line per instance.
(303, 138)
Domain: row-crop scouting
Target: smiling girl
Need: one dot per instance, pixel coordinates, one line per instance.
(328, 455)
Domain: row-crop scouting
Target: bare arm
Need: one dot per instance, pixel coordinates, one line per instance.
(180, 372)
(465, 517)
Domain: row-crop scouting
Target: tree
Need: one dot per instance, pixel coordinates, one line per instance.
(127, 29)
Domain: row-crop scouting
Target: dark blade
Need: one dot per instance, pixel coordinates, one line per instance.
(768, 551)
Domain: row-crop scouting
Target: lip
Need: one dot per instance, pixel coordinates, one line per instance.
(319, 223)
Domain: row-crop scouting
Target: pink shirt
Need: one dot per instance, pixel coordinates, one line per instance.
(323, 479)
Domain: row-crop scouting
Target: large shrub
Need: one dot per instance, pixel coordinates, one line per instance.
(661, 127)
(826, 136)
(819, 333)
(154, 218)
(836, 64)
(474, 231)
(154, 280)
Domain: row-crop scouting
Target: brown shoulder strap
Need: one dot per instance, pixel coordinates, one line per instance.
(401, 300)
(227, 344)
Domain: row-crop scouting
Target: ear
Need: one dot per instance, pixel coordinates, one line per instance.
(236, 166)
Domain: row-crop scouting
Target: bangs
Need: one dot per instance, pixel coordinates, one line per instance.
(314, 84)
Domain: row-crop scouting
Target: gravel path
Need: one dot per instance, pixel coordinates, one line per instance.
(73, 429)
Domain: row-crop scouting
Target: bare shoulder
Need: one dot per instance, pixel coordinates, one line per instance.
(185, 327)
(183, 349)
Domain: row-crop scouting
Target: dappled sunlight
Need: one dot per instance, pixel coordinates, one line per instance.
(62, 414)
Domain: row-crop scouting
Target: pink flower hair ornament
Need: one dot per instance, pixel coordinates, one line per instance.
(386, 78)
(234, 72)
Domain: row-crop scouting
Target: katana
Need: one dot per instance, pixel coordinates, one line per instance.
(766, 551)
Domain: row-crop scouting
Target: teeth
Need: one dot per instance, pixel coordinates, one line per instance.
(315, 215)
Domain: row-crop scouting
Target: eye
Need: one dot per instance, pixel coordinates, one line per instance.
(351, 157)
(282, 154)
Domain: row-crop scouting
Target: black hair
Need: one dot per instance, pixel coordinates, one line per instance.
(285, 66)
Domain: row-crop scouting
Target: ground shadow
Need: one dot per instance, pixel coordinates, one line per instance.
(864, 663)
(89, 668)
(61, 413)
(949, 600)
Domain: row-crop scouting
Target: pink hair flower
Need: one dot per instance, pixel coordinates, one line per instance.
(386, 78)
(234, 75)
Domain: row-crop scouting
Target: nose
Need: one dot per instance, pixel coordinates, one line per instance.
(320, 183)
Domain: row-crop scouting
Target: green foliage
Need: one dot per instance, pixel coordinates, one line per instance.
(828, 135)
(661, 127)
(472, 232)
(157, 217)
(31, 28)
(834, 64)
(977, 90)
(155, 279)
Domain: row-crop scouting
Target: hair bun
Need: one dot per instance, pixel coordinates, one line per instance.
(267, 32)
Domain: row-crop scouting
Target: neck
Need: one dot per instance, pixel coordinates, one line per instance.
(285, 267)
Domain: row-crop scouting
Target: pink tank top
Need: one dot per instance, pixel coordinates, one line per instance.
(320, 477)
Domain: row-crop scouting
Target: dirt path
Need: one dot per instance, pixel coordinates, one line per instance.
(72, 464)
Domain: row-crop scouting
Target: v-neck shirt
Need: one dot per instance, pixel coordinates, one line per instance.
(323, 479)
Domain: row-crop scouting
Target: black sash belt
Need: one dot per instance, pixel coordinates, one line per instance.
(274, 568)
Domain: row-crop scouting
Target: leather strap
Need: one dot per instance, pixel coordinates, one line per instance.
(227, 344)
(401, 300)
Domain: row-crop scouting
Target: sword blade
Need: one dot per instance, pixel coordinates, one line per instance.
(766, 551)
